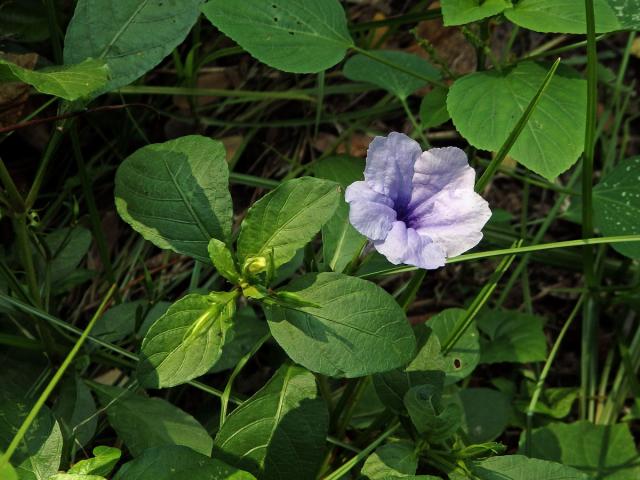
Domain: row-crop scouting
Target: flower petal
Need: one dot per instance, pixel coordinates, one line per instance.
(389, 169)
(438, 169)
(370, 212)
(455, 220)
(405, 245)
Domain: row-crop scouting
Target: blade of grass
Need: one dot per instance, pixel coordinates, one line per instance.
(516, 250)
(545, 371)
(490, 171)
(6, 457)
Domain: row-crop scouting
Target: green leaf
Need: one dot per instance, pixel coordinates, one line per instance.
(519, 467)
(243, 334)
(459, 12)
(38, 454)
(464, 356)
(361, 68)
(393, 460)
(68, 246)
(512, 337)
(356, 329)
(433, 108)
(103, 462)
(223, 261)
(604, 451)
(486, 413)
(300, 37)
(69, 82)
(119, 321)
(75, 476)
(132, 37)
(173, 462)
(7, 472)
(425, 368)
(434, 420)
(616, 204)
(554, 402)
(340, 241)
(280, 431)
(485, 105)
(176, 194)
(568, 16)
(286, 219)
(76, 411)
(143, 422)
(155, 312)
(187, 340)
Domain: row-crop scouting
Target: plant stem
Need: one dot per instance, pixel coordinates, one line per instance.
(53, 382)
(589, 323)
(416, 127)
(545, 371)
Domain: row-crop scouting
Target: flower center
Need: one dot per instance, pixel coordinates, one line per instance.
(405, 214)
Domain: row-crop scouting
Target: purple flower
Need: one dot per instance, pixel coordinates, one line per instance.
(418, 208)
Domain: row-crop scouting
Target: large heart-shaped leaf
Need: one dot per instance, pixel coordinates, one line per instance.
(294, 36)
(616, 204)
(485, 106)
(280, 431)
(569, 16)
(70, 82)
(286, 219)
(132, 36)
(176, 194)
(187, 340)
(143, 422)
(604, 451)
(350, 328)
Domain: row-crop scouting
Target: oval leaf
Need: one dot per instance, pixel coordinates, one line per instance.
(176, 194)
(294, 36)
(485, 106)
(177, 462)
(459, 12)
(286, 219)
(173, 352)
(279, 432)
(143, 422)
(356, 328)
(361, 68)
(132, 36)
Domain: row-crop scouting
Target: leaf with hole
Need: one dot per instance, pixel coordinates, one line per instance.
(463, 358)
(70, 82)
(294, 36)
(132, 36)
(187, 340)
(142, 422)
(485, 106)
(176, 194)
(616, 205)
(361, 68)
(286, 219)
(280, 431)
(355, 329)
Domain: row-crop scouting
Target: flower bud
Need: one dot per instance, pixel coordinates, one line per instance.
(254, 265)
